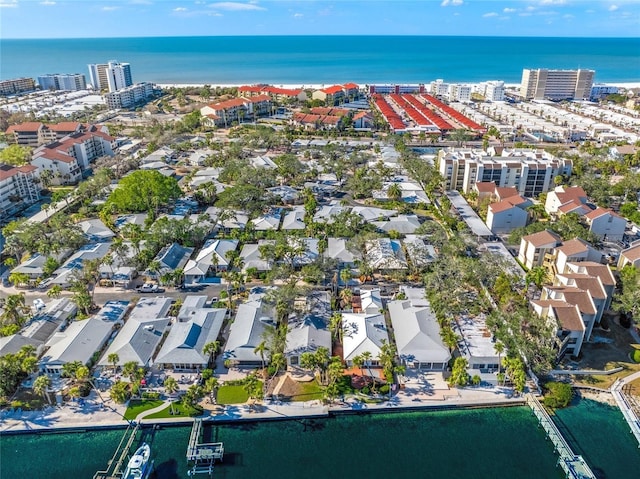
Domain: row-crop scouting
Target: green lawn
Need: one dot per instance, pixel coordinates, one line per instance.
(308, 391)
(179, 410)
(232, 395)
(136, 406)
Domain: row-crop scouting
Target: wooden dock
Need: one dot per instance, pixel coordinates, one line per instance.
(202, 456)
(114, 468)
(574, 466)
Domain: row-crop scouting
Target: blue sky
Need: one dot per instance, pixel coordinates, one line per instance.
(124, 18)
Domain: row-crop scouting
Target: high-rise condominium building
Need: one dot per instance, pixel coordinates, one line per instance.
(18, 85)
(57, 81)
(98, 76)
(544, 84)
(118, 76)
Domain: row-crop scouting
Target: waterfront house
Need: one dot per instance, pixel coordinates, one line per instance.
(81, 340)
(246, 333)
(362, 333)
(141, 334)
(477, 346)
(417, 335)
(309, 331)
(184, 347)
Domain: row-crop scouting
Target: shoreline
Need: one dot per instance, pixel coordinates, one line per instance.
(317, 86)
(314, 413)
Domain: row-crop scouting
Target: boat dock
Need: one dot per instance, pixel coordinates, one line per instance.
(202, 456)
(572, 464)
(626, 408)
(115, 465)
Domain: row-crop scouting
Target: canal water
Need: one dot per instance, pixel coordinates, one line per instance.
(473, 443)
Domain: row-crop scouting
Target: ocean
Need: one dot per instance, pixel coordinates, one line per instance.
(317, 60)
(468, 443)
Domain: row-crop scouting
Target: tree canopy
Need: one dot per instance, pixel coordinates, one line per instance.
(143, 191)
(15, 155)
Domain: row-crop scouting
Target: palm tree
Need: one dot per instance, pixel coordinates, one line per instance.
(366, 360)
(335, 326)
(129, 369)
(41, 386)
(113, 359)
(358, 361)
(345, 297)
(211, 349)
(210, 386)
(55, 291)
(394, 192)
(170, 387)
(13, 309)
(261, 349)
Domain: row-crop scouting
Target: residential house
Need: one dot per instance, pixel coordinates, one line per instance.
(252, 258)
(363, 333)
(310, 331)
(213, 257)
(363, 120)
(184, 347)
(34, 266)
(370, 301)
(565, 195)
(403, 224)
(477, 346)
(630, 256)
(417, 335)
(606, 224)
(337, 249)
(246, 333)
(420, 253)
(54, 317)
(506, 215)
(171, 258)
(533, 247)
(267, 222)
(371, 214)
(63, 276)
(141, 334)
(385, 254)
(96, 231)
(570, 329)
(294, 219)
(81, 340)
(573, 251)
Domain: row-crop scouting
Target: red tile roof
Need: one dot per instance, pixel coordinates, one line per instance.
(351, 86)
(28, 126)
(332, 90)
(542, 238)
(598, 212)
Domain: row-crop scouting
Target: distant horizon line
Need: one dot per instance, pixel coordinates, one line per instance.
(326, 35)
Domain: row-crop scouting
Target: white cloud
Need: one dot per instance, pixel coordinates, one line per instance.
(453, 3)
(47, 3)
(509, 10)
(613, 8)
(553, 2)
(490, 14)
(236, 6)
(180, 9)
(298, 15)
(109, 9)
(8, 3)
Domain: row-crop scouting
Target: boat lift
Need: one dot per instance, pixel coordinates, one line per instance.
(202, 456)
(115, 465)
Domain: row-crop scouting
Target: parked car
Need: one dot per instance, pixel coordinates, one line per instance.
(150, 288)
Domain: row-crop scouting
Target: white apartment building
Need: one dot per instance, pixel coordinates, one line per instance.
(531, 172)
(458, 92)
(68, 157)
(118, 75)
(439, 88)
(544, 84)
(491, 90)
(66, 81)
(129, 96)
(18, 188)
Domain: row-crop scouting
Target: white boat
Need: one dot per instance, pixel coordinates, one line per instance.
(139, 465)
